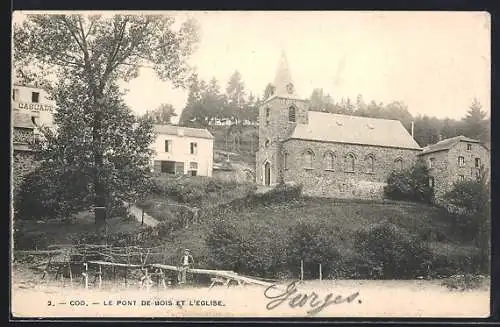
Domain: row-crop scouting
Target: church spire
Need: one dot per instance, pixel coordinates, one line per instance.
(283, 83)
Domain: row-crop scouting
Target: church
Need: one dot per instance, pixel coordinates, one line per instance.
(330, 155)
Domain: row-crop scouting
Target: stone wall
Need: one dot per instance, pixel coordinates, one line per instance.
(446, 170)
(273, 129)
(22, 164)
(325, 179)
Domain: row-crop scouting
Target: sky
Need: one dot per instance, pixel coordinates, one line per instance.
(435, 62)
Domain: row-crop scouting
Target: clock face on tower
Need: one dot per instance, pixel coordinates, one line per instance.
(289, 88)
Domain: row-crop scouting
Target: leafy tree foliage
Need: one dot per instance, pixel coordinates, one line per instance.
(411, 184)
(393, 251)
(161, 115)
(91, 53)
(66, 154)
(470, 204)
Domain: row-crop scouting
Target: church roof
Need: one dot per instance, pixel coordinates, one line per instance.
(183, 131)
(447, 144)
(283, 82)
(327, 127)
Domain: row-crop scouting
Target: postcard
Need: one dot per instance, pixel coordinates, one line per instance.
(250, 164)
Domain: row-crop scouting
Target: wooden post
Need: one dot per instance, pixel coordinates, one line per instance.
(100, 276)
(86, 275)
(301, 270)
(142, 219)
(320, 272)
(70, 273)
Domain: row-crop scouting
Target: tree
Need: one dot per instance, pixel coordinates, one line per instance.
(411, 184)
(269, 91)
(65, 179)
(95, 51)
(235, 93)
(475, 124)
(161, 115)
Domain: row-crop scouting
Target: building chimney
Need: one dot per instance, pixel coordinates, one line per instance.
(412, 129)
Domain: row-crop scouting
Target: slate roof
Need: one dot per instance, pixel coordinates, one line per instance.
(187, 131)
(447, 144)
(327, 127)
(21, 120)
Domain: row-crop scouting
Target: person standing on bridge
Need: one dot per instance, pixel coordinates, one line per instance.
(187, 262)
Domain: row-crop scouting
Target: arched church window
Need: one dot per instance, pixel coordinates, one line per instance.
(291, 114)
(370, 163)
(329, 161)
(350, 161)
(308, 158)
(285, 160)
(267, 113)
(398, 164)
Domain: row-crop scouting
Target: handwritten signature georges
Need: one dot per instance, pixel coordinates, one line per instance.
(296, 299)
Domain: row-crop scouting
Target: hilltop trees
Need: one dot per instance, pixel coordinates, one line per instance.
(161, 115)
(94, 52)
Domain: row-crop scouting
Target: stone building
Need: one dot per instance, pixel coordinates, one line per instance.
(31, 108)
(331, 155)
(455, 159)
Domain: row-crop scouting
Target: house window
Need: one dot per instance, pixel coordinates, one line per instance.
(15, 94)
(309, 157)
(193, 168)
(477, 162)
(461, 178)
(431, 163)
(168, 167)
(194, 148)
(461, 161)
(291, 114)
(350, 161)
(168, 146)
(370, 163)
(285, 161)
(35, 97)
(431, 182)
(329, 161)
(469, 147)
(398, 164)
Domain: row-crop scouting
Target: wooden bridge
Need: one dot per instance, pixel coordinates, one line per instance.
(87, 261)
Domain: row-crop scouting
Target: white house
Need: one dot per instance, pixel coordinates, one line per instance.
(182, 151)
(33, 101)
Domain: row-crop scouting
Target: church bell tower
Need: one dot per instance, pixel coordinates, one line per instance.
(278, 116)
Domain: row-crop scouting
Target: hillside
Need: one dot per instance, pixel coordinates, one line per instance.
(265, 229)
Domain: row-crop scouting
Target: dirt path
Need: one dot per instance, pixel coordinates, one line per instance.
(137, 213)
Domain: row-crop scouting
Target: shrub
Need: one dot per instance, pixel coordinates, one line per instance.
(308, 242)
(411, 184)
(469, 202)
(51, 192)
(392, 251)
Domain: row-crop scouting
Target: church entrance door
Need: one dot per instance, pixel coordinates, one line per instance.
(267, 174)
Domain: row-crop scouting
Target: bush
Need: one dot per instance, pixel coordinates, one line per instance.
(410, 185)
(313, 245)
(448, 260)
(392, 252)
(52, 192)
(200, 190)
(469, 202)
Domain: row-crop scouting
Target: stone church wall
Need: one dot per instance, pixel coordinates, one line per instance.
(324, 179)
